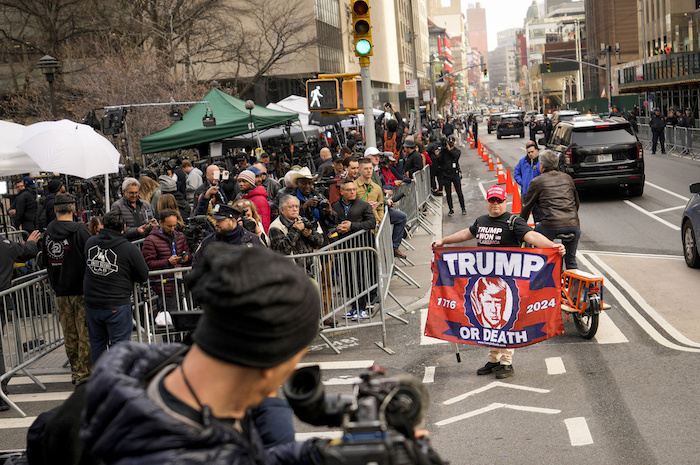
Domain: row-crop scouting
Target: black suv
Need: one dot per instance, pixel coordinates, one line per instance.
(599, 152)
(493, 122)
(510, 125)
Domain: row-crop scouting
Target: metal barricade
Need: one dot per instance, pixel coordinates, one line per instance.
(670, 142)
(164, 292)
(19, 236)
(30, 328)
(407, 204)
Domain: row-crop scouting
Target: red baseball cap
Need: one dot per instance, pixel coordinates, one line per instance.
(497, 192)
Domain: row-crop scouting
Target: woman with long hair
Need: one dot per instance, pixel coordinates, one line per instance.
(168, 202)
(248, 209)
(148, 188)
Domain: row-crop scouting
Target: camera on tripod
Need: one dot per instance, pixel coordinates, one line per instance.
(378, 420)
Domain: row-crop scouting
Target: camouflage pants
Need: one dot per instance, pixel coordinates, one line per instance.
(71, 312)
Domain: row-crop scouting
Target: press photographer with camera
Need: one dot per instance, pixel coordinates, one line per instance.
(138, 214)
(255, 194)
(313, 206)
(228, 230)
(291, 233)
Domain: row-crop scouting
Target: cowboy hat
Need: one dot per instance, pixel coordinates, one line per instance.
(304, 172)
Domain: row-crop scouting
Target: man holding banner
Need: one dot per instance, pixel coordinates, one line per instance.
(501, 299)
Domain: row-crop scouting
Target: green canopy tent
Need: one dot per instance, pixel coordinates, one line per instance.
(232, 119)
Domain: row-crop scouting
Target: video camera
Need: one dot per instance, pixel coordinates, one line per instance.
(196, 228)
(378, 420)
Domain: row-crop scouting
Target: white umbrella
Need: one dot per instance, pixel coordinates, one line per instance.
(69, 148)
(12, 159)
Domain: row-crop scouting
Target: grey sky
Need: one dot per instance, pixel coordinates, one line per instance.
(502, 14)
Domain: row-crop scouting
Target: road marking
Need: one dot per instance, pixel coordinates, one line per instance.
(632, 312)
(343, 380)
(346, 365)
(579, 434)
(19, 380)
(10, 423)
(429, 376)
(629, 254)
(664, 210)
(555, 366)
(427, 340)
(318, 434)
(660, 320)
(608, 332)
(496, 406)
(492, 385)
(40, 397)
(685, 199)
(651, 215)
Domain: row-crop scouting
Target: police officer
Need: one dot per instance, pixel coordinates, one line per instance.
(657, 123)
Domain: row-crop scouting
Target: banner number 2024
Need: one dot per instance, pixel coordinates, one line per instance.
(541, 305)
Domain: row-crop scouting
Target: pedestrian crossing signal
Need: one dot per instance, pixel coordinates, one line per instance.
(322, 95)
(361, 28)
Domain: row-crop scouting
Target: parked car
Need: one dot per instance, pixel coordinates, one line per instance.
(563, 115)
(510, 125)
(599, 152)
(493, 122)
(690, 225)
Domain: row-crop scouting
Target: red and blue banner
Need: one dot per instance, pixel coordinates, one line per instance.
(495, 296)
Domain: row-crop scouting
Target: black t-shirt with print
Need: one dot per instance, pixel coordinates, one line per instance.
(496, 232)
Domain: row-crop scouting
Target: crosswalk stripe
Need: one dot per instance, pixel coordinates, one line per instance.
(11, 423)
(429, 376)
(318, 434)
(344, 365)
(608, 332)
(20, 380)
(40, 397)
(555, 366)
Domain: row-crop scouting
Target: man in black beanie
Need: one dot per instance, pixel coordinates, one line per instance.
(260, 314)
(54, 187)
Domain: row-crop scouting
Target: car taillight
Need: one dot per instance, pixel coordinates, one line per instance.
(568, 155)
(640, 150)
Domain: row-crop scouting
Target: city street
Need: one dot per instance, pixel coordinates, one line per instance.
(628, 396)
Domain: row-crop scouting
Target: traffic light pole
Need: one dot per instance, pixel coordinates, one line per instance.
(370, 135)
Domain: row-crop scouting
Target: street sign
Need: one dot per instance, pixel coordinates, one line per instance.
(411, 88)
(322, 95)
(426, 95)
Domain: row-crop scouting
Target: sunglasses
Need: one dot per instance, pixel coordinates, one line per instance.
(496, 200)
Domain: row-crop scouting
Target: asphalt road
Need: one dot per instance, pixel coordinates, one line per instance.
(628, 396)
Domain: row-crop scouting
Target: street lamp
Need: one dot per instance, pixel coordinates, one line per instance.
(50, 66)
(249, 105)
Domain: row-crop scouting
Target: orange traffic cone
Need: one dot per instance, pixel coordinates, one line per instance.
(484, 153)
(509, 183)
(501, 174)
(491, 168)
(480, 149)
(517, 207)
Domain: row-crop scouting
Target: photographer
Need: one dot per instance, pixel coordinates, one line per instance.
(313, 206)
(291, 233)
(451, 174)
(228, 230)
(138, 214)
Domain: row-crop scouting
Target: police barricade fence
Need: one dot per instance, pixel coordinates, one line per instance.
(16, 235)
(681, 140)
(407, 204)
(30, 327)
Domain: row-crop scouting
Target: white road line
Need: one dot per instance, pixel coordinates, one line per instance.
(685, 199)
(10, 423)
(429, 376)
(664, 210)
(318, 434)
(342, 381)
(632, 312)
(496, 406)
(41, 397)
(630, 254)
(346, 365)
(555, 366)
(491, 386)
(18, 380)
(660, 320)
(579, 433)
(427, 340)
(651, 215)
(608, 332)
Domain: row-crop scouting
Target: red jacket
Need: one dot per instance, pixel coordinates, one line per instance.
(259, 197)
(157, 249)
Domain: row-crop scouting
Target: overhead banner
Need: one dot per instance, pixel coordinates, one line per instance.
(495, 296)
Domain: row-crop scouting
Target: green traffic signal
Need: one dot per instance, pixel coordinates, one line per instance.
(363, 47)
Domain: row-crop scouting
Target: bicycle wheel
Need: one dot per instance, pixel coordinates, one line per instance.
(587, 322)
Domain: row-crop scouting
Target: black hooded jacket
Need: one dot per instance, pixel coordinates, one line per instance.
(113, 266)
(63, 246)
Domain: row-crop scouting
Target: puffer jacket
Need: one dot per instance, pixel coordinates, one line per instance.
(525, 171)
(555, 195)
(133, 217)
(157, 249)
(122, 424)
(259, 197)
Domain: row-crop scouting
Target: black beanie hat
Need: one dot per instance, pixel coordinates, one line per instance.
(260, 309)
(54, 186)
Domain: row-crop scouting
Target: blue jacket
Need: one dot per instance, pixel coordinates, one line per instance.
(525, 172)
(123, 424)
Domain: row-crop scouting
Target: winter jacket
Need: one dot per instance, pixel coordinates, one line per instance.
(286, 239)
(371, 193)
(25, 210)
(657, 123)
(11, 252)
(525, 171)
(157, 249)
(359, 214)
(63, 247)
(449, 162)
(259, 197)
(133, 217)
(48, 208)
(239, 236)
(413, 163)
(194, 180)
(126, 420)
(555, 195)
(113, 266)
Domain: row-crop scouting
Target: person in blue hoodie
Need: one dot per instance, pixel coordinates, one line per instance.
(113, 265)
(526, 170)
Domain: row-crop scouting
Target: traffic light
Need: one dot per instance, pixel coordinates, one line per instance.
(322, 95)
(361, 28)
(486, 72)
(499, 88)
(549, 67)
